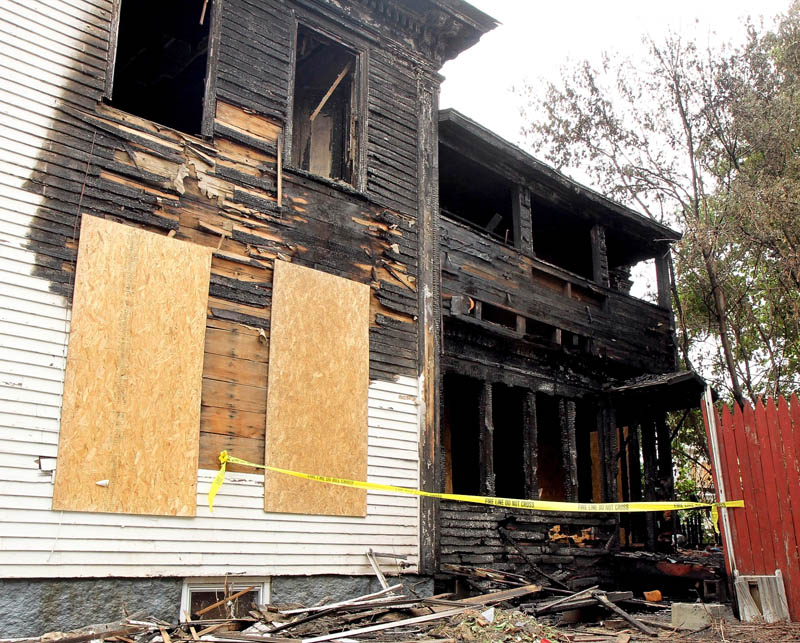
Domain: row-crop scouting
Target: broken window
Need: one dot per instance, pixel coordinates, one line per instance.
(323, 118)
(563, 240)
(161, 61)
(472, 194)
(643, 282)
(206, 597)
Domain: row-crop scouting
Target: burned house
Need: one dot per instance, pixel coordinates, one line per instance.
(242, 225)
(555, 380)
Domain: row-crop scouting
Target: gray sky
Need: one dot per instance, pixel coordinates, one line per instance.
(537, 38)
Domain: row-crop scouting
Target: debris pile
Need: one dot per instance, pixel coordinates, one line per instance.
(517, 612)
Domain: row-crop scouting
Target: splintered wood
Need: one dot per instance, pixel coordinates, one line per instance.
(317, 391)
(131, 410)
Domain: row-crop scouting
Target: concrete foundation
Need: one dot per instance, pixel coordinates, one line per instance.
(32, 607)
(310, 590)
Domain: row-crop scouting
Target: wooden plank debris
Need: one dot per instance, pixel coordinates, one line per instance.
(332, 89)
(398, 619)
(601, 596)
(222, 601)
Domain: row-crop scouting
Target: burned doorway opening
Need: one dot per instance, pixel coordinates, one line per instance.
(162, 60)
(512, 442)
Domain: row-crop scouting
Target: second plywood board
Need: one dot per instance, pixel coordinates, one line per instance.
(131, 407)
(317, 391)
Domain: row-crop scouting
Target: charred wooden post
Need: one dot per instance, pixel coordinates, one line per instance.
(599, 256)
(610, 422)
(634, 476)
(566, 416)
(530, 439)
(663, 282)
(650, 459)
(486, 441)
(429, 304)
(664, 444)
(622, 462)
(523, 230)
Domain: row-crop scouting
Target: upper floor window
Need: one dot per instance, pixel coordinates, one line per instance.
(161, 61)
(324, 131)
(471, 193)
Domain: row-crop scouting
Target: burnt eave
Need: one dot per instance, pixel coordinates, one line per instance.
(558, 187)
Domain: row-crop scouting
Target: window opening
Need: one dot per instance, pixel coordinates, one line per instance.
(643, 283)
(562, 239)
(461, 434)
(323, 119)
(474, 195)
(161, 60)
(540, 333)
(508, 418)
(202, 593)
(550, 456)
(499, 316)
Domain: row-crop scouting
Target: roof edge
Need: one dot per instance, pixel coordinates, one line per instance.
(531, 163)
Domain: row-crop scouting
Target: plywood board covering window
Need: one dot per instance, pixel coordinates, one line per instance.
(129, 431)
(317, 391)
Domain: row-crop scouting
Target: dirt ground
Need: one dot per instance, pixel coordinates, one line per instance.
(512, 625)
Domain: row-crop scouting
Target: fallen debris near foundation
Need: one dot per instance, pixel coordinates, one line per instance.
(523, 613)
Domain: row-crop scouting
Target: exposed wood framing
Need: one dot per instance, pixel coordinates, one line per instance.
(486, 453)
(429, 308)
(530, 446)
(569, 450)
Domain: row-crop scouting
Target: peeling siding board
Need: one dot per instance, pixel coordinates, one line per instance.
(317, 394)
(132, 393)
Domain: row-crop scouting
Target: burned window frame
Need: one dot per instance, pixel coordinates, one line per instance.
(516, 209)
(212, 13)
(357, 47)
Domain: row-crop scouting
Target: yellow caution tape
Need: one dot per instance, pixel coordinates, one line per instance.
(513, 503)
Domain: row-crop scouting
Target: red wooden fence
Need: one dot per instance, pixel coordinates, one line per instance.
(759, 454)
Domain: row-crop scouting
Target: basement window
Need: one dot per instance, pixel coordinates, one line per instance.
(323, 118)
(474, 195)
(161, 61)
(199, 594)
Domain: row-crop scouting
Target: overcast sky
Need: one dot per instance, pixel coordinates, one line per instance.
(537, 38)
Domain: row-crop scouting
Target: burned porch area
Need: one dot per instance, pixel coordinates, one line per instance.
(555, 380)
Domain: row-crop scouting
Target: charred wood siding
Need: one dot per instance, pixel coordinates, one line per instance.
(255, 56)
(626, 332)
(473, 535)
(392, 137)
(221, 192)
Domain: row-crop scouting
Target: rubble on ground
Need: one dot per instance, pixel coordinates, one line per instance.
(517, 612)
